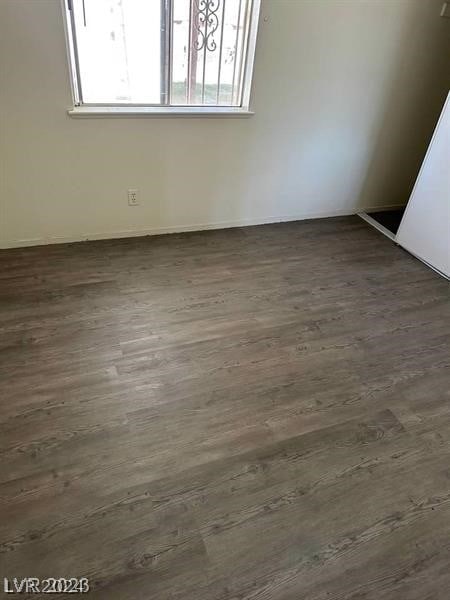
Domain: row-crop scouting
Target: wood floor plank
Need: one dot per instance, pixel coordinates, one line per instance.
(254, 414)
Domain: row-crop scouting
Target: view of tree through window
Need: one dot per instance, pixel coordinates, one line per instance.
(153, 52)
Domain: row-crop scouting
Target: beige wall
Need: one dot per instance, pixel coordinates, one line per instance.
(346, 94)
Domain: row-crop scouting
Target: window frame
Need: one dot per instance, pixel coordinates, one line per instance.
(85, 109)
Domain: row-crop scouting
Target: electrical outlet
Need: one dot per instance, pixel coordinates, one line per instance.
(133, 198)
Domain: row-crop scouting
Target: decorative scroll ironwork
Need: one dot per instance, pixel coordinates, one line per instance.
(206, 23)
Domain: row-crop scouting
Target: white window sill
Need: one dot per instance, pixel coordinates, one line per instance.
(159, 111)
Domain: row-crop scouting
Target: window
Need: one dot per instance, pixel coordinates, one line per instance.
(161, 55)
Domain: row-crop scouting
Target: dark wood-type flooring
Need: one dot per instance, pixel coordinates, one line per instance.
(247, 414)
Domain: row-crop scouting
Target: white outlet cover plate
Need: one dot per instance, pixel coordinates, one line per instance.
(133, 197)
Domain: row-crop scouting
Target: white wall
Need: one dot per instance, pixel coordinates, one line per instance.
(346, 94)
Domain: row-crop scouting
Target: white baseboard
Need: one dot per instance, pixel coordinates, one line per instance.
(380, 208)
(21, 243)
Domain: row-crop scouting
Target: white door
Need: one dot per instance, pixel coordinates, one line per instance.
(425, 227)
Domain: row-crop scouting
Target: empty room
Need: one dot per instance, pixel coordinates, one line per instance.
(224, 299)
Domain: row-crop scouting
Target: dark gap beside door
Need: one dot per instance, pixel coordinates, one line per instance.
(389, 218)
